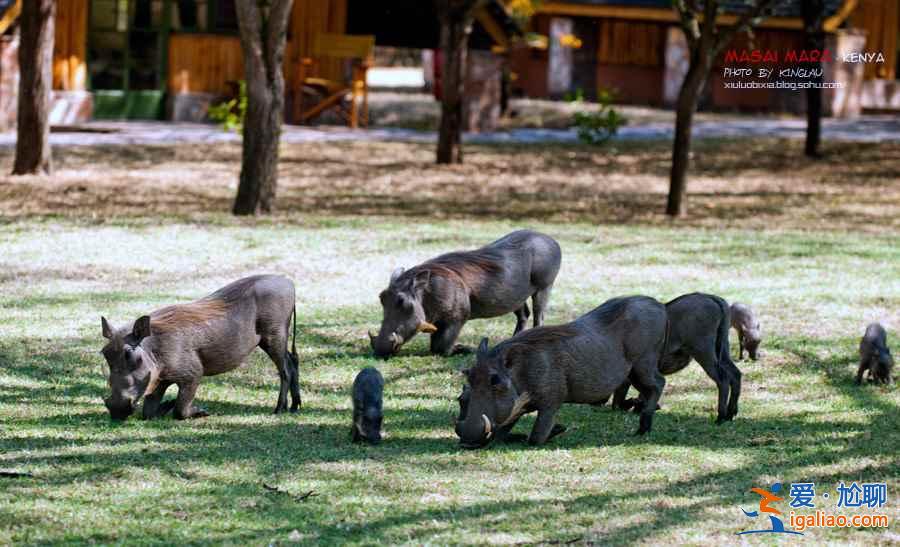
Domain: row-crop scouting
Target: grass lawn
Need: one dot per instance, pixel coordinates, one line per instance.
(815, 249)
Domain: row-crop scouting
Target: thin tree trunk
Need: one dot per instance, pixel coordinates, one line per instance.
(456, 26)
(263, 34)
(35, 87)
(813, 15)
(688, 97)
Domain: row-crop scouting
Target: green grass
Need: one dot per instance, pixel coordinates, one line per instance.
(801, 418)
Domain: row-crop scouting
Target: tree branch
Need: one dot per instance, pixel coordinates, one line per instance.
(688, 20)
(249, 21)
(744, 22)
(279, 15)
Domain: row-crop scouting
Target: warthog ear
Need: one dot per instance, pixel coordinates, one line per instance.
(106, 328)
(396, 274)
(483, 346)
(141, 328)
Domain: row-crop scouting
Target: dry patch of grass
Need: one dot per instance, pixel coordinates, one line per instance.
(752, 183)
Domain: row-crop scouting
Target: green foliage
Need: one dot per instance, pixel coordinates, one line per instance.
(598, 127)
(231, 113)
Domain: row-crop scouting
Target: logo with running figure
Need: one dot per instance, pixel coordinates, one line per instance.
(766, 498)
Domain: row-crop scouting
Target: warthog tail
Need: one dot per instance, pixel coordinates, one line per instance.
(294, 341)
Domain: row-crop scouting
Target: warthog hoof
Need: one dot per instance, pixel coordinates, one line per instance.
(558, 429)
(460, 349)
(193, 414)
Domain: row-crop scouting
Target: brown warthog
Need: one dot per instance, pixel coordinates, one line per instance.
(698, 329)
(180, 344)
(580, 362)
(440, 295)
(746, 324)
(875, 356)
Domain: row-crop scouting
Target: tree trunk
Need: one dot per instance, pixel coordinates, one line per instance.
(456, 26)
(35, 87)
(259, 158)
(688, 97)
(262, 42)
(813, 16)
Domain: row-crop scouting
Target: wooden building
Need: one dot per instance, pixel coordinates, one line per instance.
(158, 59)
(636, 48)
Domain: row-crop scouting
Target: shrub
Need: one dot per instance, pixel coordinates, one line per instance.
(598, 127)
(231, 113)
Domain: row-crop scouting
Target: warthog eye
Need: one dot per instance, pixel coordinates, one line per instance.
(495, 379)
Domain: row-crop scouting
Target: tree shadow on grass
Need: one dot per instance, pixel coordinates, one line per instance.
(787, 447)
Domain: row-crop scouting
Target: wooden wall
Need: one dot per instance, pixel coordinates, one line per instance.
(206, 62)
(881, 21)
(70, 47)
(626, 42)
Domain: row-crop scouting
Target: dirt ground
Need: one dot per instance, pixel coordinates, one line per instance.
(752, 183)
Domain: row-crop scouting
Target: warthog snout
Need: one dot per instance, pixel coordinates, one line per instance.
(385, 346)
(119, 410)
(487, 434)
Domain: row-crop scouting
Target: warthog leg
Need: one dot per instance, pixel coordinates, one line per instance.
(443, 341)
(619, 397)
(543, 427)
(734, 380)
(522, 315)
(539, 302)
(184, 403)
(710, 363)
(275, 347)
(152, 407)
(863, 366)
(650, 383)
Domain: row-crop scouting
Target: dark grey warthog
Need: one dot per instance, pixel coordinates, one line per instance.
(180, 344)
(367, 413)
(580, 362)
(875, 356)
(746, 324)
(698, 329)
(440, 295)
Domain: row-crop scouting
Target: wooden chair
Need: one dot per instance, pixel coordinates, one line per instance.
(349, 99)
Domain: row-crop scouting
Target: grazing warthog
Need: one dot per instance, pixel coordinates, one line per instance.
(580, 362)
(875, 356)
(367, 413)
(440, 295)
(746, 324)
(698, 329)
(180, 344)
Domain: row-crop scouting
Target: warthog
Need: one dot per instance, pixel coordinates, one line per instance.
(580, 362)
(367, 413)
(746, 324)
(875, 356)
(440, 295)
(698, 329)
(180, 344)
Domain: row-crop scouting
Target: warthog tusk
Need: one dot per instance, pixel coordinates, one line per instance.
(426, 327)
(487, 426)
(396, 340)
(518, 409)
